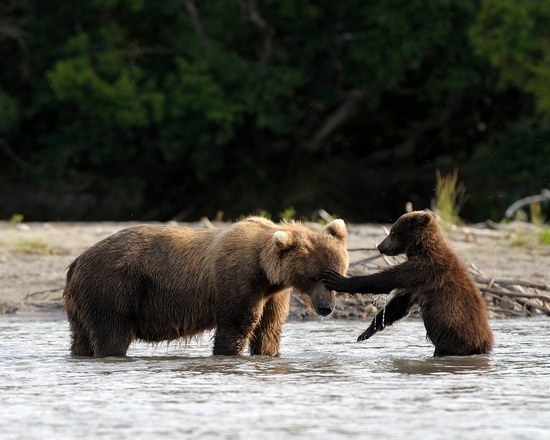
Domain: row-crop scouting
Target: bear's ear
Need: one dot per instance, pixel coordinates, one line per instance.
(283, 240)
(336, 228)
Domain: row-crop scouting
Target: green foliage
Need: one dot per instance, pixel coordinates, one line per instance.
(514, 37)
(134, 108)
(75, 81)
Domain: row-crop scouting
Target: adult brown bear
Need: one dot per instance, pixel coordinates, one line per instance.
(454, 314)
(160, 283)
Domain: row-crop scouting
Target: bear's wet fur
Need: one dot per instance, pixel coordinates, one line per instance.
(433, 277)
(161, 283)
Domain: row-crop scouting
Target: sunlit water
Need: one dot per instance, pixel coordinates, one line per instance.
(324, 386)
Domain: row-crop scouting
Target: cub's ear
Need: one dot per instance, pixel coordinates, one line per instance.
(425, 218)
(336, 228)
(430, 214)
(283, 240)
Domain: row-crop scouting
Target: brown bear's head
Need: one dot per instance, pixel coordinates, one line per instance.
(298, 256)
(410, 234)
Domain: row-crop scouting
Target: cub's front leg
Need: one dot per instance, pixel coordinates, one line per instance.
(339, 283)
(377, 283)
(397, 308)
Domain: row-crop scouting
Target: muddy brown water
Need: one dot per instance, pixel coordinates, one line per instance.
(324, 385)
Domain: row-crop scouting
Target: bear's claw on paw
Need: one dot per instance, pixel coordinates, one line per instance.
(365, 335)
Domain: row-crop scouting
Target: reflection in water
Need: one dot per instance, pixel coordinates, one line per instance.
(324, 385)
(450, 364)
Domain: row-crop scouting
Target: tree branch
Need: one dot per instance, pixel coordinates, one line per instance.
(8, 151)
(257, 20)
(416, 132)
(336, 119)
(196, 21)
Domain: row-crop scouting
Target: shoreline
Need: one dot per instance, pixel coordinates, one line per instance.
(34, 258)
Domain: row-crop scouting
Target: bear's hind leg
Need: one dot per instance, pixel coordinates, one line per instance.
(266, 338)
(112, 342)
(112, 335)
(229, 342)
(80, 338)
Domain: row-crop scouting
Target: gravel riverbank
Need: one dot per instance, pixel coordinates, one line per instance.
(34, 258)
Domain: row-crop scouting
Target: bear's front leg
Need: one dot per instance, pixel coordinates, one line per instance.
(266, 338)
(235, 326)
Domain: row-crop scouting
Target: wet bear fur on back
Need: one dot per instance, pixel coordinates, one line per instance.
(433, 277)
(161, 283)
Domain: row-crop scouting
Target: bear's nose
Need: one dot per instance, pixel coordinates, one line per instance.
(324, 311)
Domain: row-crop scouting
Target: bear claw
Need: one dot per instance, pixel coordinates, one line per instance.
(365, 335)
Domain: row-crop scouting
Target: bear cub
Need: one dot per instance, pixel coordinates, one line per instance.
(434, 278)
(160, 283)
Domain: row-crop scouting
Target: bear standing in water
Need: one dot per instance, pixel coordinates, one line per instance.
(160, 283)
(454, 314)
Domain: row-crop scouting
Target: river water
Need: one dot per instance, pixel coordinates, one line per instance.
(323, 386)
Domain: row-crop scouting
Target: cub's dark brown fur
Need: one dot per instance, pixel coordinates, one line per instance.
(159, 283)
(454, 314)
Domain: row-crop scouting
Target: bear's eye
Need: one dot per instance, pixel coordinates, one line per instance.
(313, 279)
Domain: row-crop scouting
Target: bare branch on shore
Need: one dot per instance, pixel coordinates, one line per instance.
(544, 196)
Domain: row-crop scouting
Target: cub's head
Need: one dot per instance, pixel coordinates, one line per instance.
(297, 257)
(410, 233)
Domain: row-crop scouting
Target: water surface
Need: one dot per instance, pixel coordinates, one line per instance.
(324, 385)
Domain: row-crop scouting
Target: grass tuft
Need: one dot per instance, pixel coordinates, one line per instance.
(33, 245)
(15, 219)
(544, 237)
(537, 217)
(518, 239)
(449, 197)
(265, 214)
(287, 214)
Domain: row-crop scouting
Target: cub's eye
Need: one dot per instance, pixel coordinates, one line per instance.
(314, 279)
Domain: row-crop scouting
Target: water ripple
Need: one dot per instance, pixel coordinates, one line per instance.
(324, 385)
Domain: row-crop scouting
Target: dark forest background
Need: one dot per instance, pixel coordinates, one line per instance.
(135, 109)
